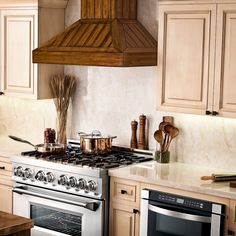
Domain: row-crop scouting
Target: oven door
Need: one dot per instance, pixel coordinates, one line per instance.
(59, 214)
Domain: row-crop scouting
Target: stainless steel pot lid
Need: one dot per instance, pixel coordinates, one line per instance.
(95, 135)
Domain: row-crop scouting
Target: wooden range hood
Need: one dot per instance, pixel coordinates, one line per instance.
(108, 34)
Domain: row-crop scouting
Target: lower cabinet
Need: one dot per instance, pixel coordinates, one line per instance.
(5, 185)
(124, 207)
(232, 218)
(124, 221)
(6, 198)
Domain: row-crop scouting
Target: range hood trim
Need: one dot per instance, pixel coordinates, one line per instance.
(84, 58)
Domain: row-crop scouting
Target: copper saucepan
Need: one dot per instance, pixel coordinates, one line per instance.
(95, 143)
(43, 148)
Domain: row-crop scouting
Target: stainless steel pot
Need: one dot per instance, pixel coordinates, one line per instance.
(95, 143)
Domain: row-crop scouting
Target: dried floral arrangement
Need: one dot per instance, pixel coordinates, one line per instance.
(63, 88)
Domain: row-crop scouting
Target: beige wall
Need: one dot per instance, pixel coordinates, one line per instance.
(108, 99)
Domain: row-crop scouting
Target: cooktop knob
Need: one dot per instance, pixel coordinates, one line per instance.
(18, 171)
(81, 183)
(40, 176)
(72, 181)
(63, 180)
(92, 186)
(49, 177)
(28, 173)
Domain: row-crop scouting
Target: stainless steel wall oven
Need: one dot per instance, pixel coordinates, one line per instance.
(164, 214)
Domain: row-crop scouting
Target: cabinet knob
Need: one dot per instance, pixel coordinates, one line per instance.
(208, 113)
(215, 113)
(135, 211)
(231, 233)
(2, 167)
(1, 93)
(123, 192)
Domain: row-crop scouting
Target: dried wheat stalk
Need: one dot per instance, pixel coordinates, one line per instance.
(62, 87)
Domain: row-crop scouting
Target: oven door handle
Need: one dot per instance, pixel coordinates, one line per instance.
(93, 205)
(179, 215)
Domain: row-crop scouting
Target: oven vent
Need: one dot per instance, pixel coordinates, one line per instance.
(108, 34)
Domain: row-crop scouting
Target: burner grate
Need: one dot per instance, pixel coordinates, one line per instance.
(74, 156)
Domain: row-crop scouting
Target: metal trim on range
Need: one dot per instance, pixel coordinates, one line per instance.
(179, 214)
(93, 206)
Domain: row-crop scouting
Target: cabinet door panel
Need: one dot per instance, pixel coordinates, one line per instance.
(18, 71)
(186, 37)
(232, 215)
(123, 223)
(5, 198)
(225, 96)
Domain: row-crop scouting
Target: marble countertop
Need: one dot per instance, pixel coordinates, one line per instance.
(176, 175)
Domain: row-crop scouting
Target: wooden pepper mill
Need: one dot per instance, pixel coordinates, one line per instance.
(142, 138)
(134, 142)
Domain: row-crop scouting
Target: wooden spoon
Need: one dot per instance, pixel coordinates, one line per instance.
(173, 132)
(162, 125)
(166, 133)
(159, 138)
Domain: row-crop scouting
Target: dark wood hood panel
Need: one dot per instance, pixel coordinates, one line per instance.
(119, 40)
(108, 9)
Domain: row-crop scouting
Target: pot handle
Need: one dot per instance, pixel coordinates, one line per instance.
(96, 133)
(22, 140)
(81, 133)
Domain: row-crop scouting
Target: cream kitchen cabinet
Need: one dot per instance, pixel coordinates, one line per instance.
(25, 26)
(125, 200)
(232, 217)
(196, 56)
(5, 185)
(124, 208)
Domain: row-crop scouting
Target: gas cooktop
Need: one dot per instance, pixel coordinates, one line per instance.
(74, 156)
(73, 171)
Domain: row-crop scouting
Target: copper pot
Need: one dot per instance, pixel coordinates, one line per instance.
(43, 148)
(95, 143)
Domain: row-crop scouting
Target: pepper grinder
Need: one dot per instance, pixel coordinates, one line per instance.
(142, 139)
(134, 142)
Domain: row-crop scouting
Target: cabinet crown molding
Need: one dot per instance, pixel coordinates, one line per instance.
(166, 2)
(33, 4)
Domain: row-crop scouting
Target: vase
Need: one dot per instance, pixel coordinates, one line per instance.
(61, 127)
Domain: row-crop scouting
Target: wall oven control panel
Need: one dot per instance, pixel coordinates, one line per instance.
(183, 201)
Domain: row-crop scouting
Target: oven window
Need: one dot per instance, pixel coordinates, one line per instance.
(56, 220)
(162, 225)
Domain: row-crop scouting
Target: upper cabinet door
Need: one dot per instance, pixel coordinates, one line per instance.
(225, 80)
(186, 57)
(19, 31)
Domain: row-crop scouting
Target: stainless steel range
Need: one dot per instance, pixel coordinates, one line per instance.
(67, 194)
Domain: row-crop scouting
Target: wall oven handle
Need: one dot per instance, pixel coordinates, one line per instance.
(93, 206)
(179, 215)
